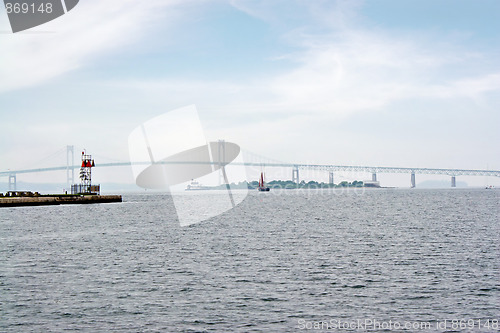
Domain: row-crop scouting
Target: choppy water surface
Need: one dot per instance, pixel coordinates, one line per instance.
(276, 263)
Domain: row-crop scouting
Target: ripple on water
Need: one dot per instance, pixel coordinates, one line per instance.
(387, 255)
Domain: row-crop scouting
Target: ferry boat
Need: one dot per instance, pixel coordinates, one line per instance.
(195, 186)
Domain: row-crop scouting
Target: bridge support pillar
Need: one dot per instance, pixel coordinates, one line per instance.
(295, 174)
(453, 181)
(70, 163)
(330, 178)
(413, 180)
(221, 158)
(374, 177)
(12, 182)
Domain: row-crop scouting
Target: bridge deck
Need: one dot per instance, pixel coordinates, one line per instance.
(323, 167)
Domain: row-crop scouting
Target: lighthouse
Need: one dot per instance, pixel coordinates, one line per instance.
(85, 186)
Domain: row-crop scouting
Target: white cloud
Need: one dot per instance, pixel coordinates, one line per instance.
(91, 29)
(365, 71)
(470, 87)
(341, 67)
(344, 67)
(339, 70)
(336, 74)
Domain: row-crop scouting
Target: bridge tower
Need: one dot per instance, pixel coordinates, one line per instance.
(70, 150)
(413, 180)
(12, 182)
(374, 176)
(295, 174)
(453, 181)
(330, 178)
(221, 159)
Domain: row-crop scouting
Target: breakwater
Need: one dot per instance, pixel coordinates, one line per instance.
(42, 200)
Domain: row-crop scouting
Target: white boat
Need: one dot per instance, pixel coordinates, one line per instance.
(195, 186)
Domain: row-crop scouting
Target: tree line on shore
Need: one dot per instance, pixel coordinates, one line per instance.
(288, 184)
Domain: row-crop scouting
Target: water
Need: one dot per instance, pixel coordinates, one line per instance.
(276, 263)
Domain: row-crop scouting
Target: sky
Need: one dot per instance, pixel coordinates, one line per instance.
(379, 83)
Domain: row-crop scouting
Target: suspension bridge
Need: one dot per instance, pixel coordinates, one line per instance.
(70, 167)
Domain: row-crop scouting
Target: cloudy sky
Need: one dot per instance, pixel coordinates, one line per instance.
(382, 83)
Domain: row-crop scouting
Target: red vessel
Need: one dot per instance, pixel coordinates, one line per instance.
(262, 184)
